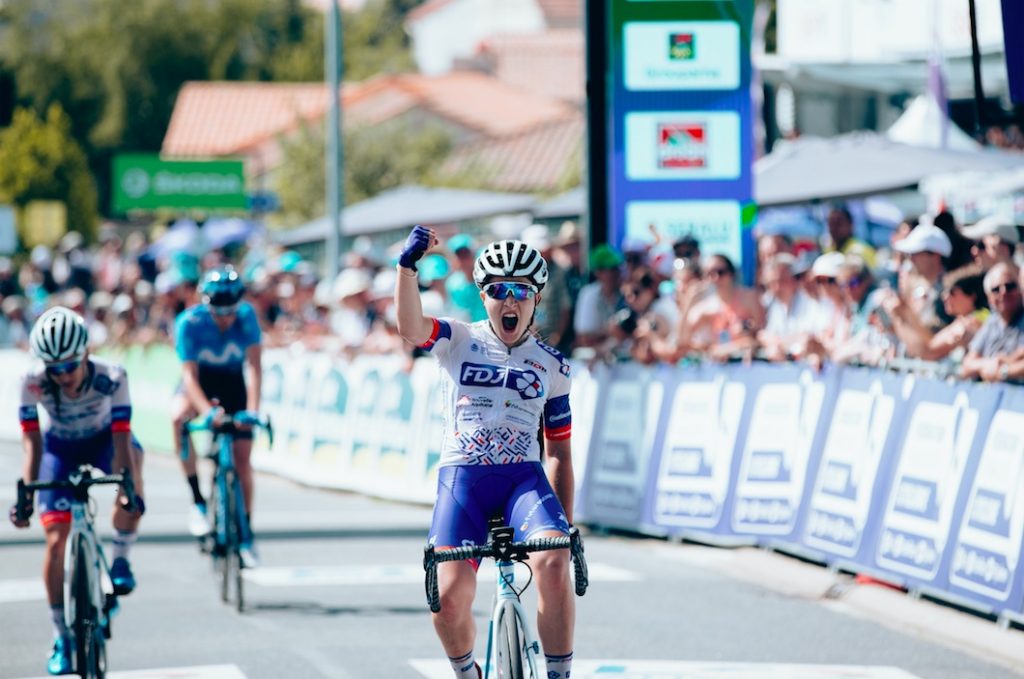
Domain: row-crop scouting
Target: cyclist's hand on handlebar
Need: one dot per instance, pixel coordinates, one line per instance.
(136, 508)
(20, 520)
(245, 419)
(214, 415)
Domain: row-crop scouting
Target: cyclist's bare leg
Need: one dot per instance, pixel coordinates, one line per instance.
(556, 606)
(456, 583)
(181, 412)
(243, 465)
(53, 561)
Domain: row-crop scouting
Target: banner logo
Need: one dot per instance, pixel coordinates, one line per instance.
(682, 145)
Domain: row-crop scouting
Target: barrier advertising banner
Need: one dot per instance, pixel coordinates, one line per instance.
(854, 467)
(943, 433)
(986, 554)
(625, 423)
(694, 464)
(780, 452)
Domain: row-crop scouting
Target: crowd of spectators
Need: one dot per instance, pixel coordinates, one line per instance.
(942, 293)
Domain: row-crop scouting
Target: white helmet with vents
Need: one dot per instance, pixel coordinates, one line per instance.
(510, 259)
(59, 335)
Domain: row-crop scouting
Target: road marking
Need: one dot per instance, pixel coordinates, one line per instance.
(198, 672)
(26, 589)
(316, 576)
(662, 669)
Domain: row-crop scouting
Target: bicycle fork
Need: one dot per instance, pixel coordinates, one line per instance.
(506, 593)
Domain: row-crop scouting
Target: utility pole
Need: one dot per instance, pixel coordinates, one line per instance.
(334, 164)
(979, 93)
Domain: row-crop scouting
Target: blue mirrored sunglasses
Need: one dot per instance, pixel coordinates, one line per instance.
(223, 310)
(63, 368)
(519, 291)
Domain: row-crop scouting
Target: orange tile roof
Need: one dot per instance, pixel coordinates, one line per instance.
(551, 63)
(228, 118)
(225, 118)
(539, 160)
(428, 7)
(562, 12)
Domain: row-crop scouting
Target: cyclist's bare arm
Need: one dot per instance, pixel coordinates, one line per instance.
(124, 458)
(194, 392)
(32, 444)
(559, 472)
(254, 378)
(412, 324)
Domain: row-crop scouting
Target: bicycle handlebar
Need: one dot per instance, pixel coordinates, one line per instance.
(503, 549)
(226, 424)
(79, 481)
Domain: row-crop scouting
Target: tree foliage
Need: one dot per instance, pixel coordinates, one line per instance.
(376, 158)
(40, 161)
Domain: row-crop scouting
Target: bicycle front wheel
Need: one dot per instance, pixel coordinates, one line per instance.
(509, 644)
(235, 538)
(90, 657)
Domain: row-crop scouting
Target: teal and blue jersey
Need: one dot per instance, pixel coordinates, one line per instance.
(198, 339)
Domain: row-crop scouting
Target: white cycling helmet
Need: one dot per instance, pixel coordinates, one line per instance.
(59, 335)
(510, 259)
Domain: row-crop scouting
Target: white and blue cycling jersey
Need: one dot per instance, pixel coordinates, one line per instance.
(498, 401)
(198, 339)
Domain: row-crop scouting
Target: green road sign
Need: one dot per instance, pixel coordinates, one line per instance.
(145, 182)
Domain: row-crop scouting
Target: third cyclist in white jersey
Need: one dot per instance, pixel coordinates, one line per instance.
(506, 393)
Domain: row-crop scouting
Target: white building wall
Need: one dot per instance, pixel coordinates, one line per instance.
(457, 28)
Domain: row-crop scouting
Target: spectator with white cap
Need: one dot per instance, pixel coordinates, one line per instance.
(553, 312)
(833, 308)
(926, 246)
(996, 240)
(791, 316)
(350, 321)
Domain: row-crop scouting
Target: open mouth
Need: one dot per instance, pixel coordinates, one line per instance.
(509, 322)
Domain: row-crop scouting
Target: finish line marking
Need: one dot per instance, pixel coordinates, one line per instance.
(198, 672)
(662, 669)
(318, 576)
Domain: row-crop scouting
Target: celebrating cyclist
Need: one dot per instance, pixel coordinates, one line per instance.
(507, 392)
(89, 412)
(218, 342)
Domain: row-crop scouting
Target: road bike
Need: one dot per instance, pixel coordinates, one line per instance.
(89, 600)
(229, 525)
(512, 648)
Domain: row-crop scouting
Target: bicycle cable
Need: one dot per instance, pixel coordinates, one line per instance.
(512, 587)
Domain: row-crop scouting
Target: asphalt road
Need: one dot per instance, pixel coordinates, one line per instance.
(340, 594)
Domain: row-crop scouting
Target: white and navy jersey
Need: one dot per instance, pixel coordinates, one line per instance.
(498, 401)
(102, 405)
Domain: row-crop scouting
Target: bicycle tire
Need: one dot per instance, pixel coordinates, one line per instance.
(234, 539)
(509, 645)
(82, 617)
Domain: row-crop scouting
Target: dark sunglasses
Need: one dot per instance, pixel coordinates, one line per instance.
(824, 280)
(1005, 288)
(716, 272)
(518, 291)
(63, 368)
(223, 310)
(852, 283)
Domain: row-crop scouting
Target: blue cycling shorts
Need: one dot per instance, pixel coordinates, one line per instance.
(60, 458)
(467, 496)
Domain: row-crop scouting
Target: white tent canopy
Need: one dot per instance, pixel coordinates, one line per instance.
(860, 164)
(408, 205)
(924, 123)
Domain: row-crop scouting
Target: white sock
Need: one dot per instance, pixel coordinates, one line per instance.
(122, 543)
(60, 628)
(559, 666)
(464, 666)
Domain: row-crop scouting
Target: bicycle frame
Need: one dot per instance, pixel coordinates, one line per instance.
(506, 553)
(505, 592)
(99, 581)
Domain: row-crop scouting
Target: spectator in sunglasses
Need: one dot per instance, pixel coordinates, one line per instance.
(725, 324)
(995, 240)
(927, 245)
(997, 346)
(792, 316)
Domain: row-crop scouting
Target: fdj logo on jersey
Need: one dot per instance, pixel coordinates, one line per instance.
(525, 382)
